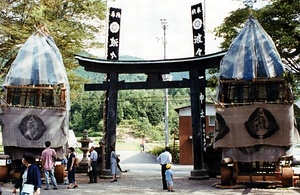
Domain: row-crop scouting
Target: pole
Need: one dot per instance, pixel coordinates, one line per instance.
(164, 24)
(166, 118)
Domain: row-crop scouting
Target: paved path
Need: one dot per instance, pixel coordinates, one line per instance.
(143, 177)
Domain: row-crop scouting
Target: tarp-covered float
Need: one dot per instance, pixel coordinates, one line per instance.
(35, 108)
(255, 123)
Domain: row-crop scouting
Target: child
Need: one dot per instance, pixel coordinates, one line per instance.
(169, 178)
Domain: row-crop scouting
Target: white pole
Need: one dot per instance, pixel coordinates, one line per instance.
(166, 118)
(164, 24)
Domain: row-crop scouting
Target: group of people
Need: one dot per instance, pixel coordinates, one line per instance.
(30, 181)
(114, 164)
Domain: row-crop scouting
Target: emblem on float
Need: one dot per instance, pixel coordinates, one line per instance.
(32, 127)
(261, 124)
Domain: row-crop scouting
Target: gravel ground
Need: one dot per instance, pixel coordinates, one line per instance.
(143, 177)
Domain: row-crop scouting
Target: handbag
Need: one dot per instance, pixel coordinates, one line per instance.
(27, 189)
(118, 159)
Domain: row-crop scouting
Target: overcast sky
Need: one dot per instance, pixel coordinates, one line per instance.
(141, 32)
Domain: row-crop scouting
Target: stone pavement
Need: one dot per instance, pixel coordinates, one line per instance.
(143, 177)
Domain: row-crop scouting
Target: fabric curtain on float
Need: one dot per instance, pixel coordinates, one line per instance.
(283, 126)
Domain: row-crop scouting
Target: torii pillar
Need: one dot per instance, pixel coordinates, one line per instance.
(111, 115)
(197, 128)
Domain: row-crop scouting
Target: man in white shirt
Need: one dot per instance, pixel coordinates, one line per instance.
(93, 163)
(164, 158)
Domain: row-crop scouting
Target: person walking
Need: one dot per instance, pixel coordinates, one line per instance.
(142, 145)
(48, 157)
(71, 167)
(93, 164)
(163, 159)
(169, 178)
(113, 163)
(30, 181)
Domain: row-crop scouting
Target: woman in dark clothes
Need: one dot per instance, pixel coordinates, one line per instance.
(71, 167)
(30, 175)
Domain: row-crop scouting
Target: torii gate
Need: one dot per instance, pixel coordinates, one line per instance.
(196, 67)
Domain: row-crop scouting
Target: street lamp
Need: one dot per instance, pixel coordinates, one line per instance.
(164, 24)
(166, 77)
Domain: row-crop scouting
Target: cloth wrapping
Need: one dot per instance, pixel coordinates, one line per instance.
(38, 62)
(231, 124)
(252, 54)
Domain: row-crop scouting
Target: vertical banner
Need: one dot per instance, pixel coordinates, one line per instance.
(114, 23)
(198, 30)
(113, 33)
(199, 49)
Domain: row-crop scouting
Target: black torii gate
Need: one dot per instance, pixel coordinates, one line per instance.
(196, 67)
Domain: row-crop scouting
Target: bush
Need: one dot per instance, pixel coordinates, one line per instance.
(95, 134)
(157, 150)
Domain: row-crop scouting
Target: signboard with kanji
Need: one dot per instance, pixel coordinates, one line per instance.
(113, 33)
(198, 29)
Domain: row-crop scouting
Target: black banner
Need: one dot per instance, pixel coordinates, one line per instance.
(198, 30)
(114, 24)
(199, 49)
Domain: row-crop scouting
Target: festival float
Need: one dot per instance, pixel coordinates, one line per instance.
(35, 101)
(255, 122)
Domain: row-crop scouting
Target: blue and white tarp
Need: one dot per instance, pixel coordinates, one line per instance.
(38, 62)
(252, 54)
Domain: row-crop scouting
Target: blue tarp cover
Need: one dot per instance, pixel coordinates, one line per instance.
(252, 54)
(38, 62)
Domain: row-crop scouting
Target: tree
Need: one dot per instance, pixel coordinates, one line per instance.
(86, 112)
(72, 23)
(280, 19)
(142, 103)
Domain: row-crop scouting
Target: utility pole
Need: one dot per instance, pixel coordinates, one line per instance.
(165, 77)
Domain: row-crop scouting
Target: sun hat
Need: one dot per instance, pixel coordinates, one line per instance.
(168, 166)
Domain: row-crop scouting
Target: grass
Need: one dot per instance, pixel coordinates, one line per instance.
(123, 146)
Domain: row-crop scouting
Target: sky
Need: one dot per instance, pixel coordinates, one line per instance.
(141, 32)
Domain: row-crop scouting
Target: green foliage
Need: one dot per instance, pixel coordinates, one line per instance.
(65, 19)
(142, 103)
(86, 112)
(280, 19)
(95, 134)
(142, 127)
(228, 30)
(175, 153)
(157, 150)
